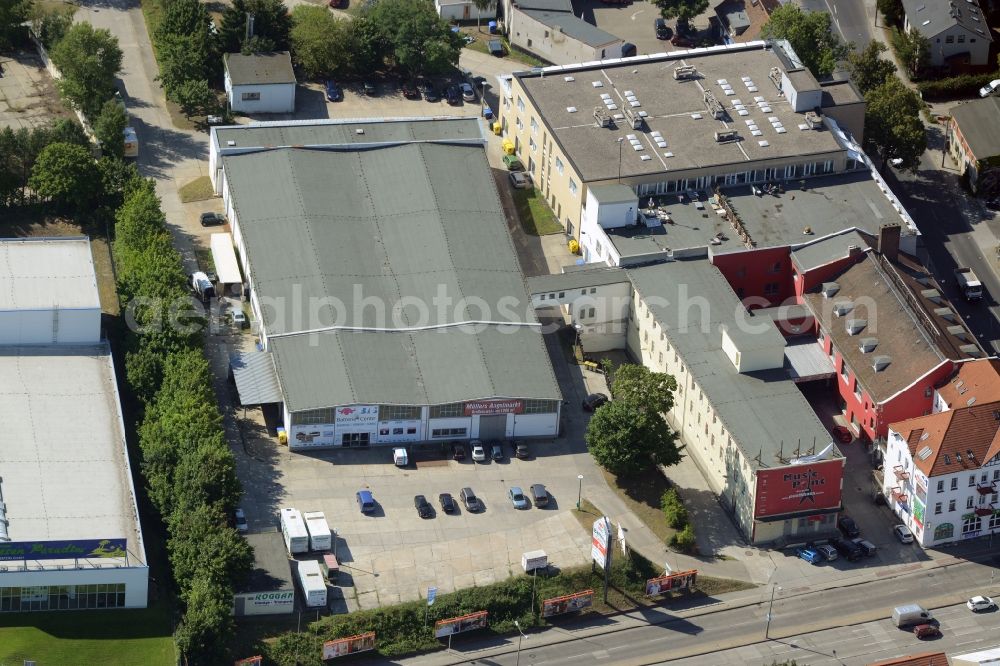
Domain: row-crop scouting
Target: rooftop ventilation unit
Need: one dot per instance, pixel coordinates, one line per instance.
(970, 350)
(814, 120)
(830, 289)
(602, 117)
(685, 72)
(925, 453)
(633, 118)
(855, 326)
(713, 106)
(880, 363)
(970, 402)
(842, 308)
(868, 345)
(775, 76)
(726, 136)
(958, 332)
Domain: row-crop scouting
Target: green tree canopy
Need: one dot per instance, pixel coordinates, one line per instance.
(66, 175)
(893, 128)
(196, 98)
(202, 544)
(654, 391)
(322, 44)
(109, 127)
(913, 50)
(891, 10)
(682, 10)
(207, 624)
(271, 26)
(413, 35)
(868, 68)
(89, 59)
(12, 14)
(811, 36)
(624, 438)
(183, 17)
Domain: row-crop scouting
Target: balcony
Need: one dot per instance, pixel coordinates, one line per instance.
(987, 488)
(984, 510)
(899, 495)
(900, 473)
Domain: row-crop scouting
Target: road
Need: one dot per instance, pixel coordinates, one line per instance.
(656, 636)
(851, 18)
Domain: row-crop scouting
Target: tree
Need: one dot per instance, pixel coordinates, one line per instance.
(65, 174)
(12, 14)
(271, 26)
(682, 10)
(868, 69)
(638, 384)
(624, 438)
(481, 6)
(811, 36)
(51, 23)
(183, 17)
(315, 36)
(684, 541)
(109, 128)
(207, 624)
(196, 98)
(892, 10)
(203, 545)
(893, 128)
(418, 40)
(674, 511)
(912, 49)
(89, 59)
(182, 58)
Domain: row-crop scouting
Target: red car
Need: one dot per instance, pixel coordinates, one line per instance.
(843, 435)
(926, 631)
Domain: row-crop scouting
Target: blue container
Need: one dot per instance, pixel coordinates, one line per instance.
(493, 27)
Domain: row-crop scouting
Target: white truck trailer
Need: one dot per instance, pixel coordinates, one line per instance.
(320, 537)
(312, 583)
(293, 529)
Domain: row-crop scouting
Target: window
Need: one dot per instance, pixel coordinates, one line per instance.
(531, 144)
(857, 389)
(398, 413)
(520, 125)
(940, 486)
(355, 439)
(843, 370)
(995, 518)
(828, 166)
(937, 508)
(534, 125)
(593, 290)
(996, 475)
(447, 411)
(520, 103)
(972, 480)
(540, 406)
(572, 186)
(961, 39)
(950, 39)
(968, 502)
(970, 524)
(250, 96)
(944, 531)
(771, 289)
(954, 484)
(449, 432)
(775, 267)
(951, 505)
(559, 166)
(313, 417)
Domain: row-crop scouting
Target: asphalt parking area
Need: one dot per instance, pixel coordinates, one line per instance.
(632, 22)
(28, 96)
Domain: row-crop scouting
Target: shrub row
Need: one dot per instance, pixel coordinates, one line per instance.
(188, 467)
(966, 85)
(676, 515)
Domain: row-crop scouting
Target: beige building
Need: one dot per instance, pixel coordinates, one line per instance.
(677, 122)
(550, 30)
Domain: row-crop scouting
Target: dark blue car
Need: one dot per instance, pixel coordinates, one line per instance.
(333, 91)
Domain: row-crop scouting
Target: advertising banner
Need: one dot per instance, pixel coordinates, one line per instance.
(796, 488)
(250, 661)
(918, 512)
(457, 625)
(682, 580)
(63, 550)
(350, 645)
(355, 419)
(600, 541)
(265, 603)
(492, 407)
(570, 603)
(398, 431)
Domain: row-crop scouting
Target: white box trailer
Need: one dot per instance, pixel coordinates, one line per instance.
(313, 584)
(534, 559)
(320, 537)
(293, 529)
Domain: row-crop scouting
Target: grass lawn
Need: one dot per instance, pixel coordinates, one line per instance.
(641, 493)
(537, 218)
(109, 637)
(483, 36)
(198, 189)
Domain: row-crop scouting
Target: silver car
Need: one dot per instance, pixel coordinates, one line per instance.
(519, 180)
(517, 498)
(468, 93)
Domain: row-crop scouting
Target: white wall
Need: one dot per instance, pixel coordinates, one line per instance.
(553, 45)
(33, 327)
(274, 98)
(136, 580)
(756, 358)
(941, 50)
(465, 11)
(460, 422)
(533, 425)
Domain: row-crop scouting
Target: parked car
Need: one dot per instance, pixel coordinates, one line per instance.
(809, 555)
(519, 180)
(989, 88)
(850, 550)
(495, 47)
(369, 87)
(848, 527)
(512, 163)
(424, 508)
(521, 451)
(478, 451)
(430, 93)
(212, 220)
(926, 631)
(496, 452)
(334, 93)
(866, 546)
(682, 40)
(975, 604)
(458, 451)
(240, 522)
(827, 551)
(237, 318)
(539, 495)
(468, 92)
(593, 401)
(903, 533)
(517, 498)
(453, 95)
(410, 90)
(365, 501)
(470, 500)
(447, 503)
(661, 29)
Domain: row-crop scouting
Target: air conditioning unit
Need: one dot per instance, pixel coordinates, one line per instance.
(727, 135)
(634, 119)
(601, 116)
(814, 120)
(685, 72)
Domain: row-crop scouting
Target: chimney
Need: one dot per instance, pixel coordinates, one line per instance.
(888, 241)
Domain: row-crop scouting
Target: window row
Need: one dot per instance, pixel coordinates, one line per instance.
(62, 597)
(740, 178)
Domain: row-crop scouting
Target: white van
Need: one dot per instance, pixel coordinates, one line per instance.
(910, 614)
(313, 584)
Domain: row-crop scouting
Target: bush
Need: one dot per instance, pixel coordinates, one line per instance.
(966, 85)
(674, 510)
(684, 541)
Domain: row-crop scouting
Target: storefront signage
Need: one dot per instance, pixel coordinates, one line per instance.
(458, 625)
(63, 550)
(491, 407)
(362, 416)
(350, 645)
(398, 431)
(918, 513)
(265, 603)
(682, 580)
(798, 488)
(570, 603)
(600, 541)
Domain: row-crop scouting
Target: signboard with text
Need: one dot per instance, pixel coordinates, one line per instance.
(600, 541)
(355, 419)
(63, 550)
(457, 625)
(798, 488)
(275, 602)
(682, 580)
(342, 647)
(570, 603)
(491, 407)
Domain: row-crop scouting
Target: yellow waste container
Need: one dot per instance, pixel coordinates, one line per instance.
(508, 146)
(574, 246)
(282, 437)
(497, 129)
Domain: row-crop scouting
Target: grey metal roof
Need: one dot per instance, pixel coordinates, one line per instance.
(260, 68)
(825, 250)
(573, 26)
(979, 121)
(764, 412)
(425, 367)
(43, 273)
(591, 277)
(255, 378)
(806, 360)
(932, 17)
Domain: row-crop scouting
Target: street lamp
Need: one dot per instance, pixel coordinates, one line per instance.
(517, 661)
(767, 627)
(621, 142)
(579, 494)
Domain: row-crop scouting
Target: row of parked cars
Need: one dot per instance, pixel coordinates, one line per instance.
(454, 93)
(852, 546)
(537, 496)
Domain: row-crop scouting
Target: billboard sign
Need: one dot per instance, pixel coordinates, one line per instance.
(276, 602)
(570, 603)
(601, 540)
(458, 625)
(682, 580)
(918, 513)
(492, 407)
(250, 661)
(63, 550)
(355, 419)
(798, 488)
(350, 645)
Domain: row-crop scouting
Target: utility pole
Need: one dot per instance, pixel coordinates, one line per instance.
(621, 141)
(517, 661)
(770, 605)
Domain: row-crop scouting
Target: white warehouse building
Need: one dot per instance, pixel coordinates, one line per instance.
(70, 536)
(388, 298)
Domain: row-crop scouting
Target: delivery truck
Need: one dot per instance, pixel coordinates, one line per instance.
(968, 282)
(131, 142)
(910, 614)
(320, 537)
(293, 529)
(312, 583)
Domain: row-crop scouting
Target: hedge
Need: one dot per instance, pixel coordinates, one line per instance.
(966, 85)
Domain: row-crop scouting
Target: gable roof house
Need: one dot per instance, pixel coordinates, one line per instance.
(956, 29)
(974, 141)
(260, 83)
(550, 30)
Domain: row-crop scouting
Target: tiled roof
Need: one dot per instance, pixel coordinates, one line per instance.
(922, 659)
(979, 380)
(958, 439)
